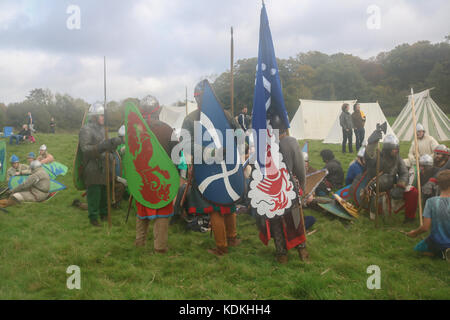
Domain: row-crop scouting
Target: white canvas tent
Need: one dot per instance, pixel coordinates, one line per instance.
(428, 113)
(174, 116)
(374, 115)
(314, 118)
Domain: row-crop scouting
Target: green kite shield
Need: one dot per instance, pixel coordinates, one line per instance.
(55, 169)
(15, 181)
(77, 174)
(3, 161)
(152, 177)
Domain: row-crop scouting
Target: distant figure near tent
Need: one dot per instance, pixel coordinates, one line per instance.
(428, 113)
(345, 120)
(314, 118)
(373, 114)
(359, 120)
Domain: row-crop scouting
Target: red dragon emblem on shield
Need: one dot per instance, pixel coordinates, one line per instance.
(153, 190)
(272, 193)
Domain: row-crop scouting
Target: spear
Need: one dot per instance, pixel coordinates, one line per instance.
(377, 195)
(108, 196)
(232, 74)
(416, 155)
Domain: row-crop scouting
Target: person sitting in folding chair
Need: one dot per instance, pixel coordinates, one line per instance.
(21, 136)
(35, 188)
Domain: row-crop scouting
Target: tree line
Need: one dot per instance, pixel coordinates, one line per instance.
(386, 78)
(67, 111)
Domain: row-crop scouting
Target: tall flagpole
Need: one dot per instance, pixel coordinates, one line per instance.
(232, 74)
(417, 156)
(108, 196)
(186, 103)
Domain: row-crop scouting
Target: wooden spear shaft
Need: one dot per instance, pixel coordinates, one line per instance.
(232, 74)
(108, 195)
(417, 156)
(377, 195)
(186, 103)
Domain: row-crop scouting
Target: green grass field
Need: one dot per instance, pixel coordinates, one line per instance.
(38, 242)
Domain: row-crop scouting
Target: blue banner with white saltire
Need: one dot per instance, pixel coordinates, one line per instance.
(268, 93)
(222, 181)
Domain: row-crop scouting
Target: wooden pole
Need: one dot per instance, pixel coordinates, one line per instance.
(232, 74)
(417, 156)
(108, 191)
(186, 103)
(377, 188)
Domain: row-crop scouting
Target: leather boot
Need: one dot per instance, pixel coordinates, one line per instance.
(283, 259)
(233, 242)
(303, 254)
(218, 251)
(7, 203)
(95, 223)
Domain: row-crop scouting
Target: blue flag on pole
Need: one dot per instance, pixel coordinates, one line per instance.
(268, 93)
(271, 190)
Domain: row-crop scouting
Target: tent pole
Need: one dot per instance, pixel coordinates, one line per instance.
(416, 156)
(377, 187)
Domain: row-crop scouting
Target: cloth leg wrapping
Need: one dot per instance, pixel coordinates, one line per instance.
(230, 225)
(93, 195)
(160, 233)
(219, 229)
(276, 230)
(142, 226)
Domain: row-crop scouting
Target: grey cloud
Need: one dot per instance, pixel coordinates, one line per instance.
(180, 41)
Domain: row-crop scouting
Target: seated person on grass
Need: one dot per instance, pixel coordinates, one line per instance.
(356, 167)
(35, 189)
(31, 157)
(17, 168)
(44, 157)
(436, 217)
(335, 176)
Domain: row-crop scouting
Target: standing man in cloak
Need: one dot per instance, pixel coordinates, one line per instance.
(222, 217)
(282, 229)
(93, 146)
(274, 191)
(163, 133)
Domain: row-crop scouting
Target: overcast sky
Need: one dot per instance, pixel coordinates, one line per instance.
(160, 47)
